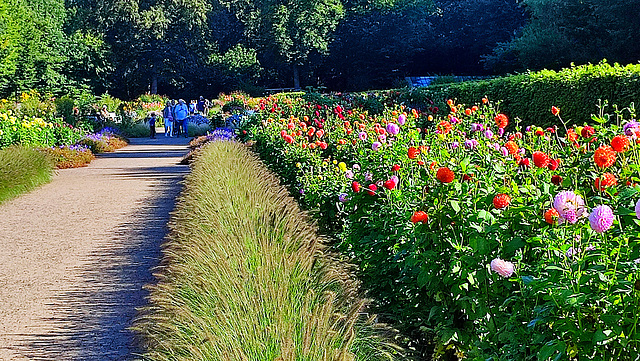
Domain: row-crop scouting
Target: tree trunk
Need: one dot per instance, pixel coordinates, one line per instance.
(154, 83)
(296, 77)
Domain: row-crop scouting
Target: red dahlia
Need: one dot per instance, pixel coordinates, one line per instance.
(620, 143)
(445, 175)
(540, 159)
(501, 200)
(419, 216)
(356, 187)
(372, 189)
(587, 131)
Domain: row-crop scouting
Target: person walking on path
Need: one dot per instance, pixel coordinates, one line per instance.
(167, 116)
(181, 112)
(152, 125)
(202, 106)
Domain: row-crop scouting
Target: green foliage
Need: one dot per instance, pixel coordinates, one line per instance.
(21, 170)
(65, 108)
(245, 276)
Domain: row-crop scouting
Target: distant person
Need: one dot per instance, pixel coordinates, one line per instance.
(181, 111)
(192, 108)
(152, 125)
(104, 113)
(202, 106)
(167, 115)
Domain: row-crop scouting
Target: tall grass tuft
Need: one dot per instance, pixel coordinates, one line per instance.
(246, 277)
(21, 170)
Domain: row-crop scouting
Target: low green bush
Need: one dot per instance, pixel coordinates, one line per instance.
(576, 91)
(244, 275)
(21, 170)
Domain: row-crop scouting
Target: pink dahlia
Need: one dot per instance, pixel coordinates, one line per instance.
(502, 267)
(393, 128)
(569, 205)
(638, 209)
(601, 218)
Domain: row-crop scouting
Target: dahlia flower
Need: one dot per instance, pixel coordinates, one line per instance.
(569, 205)
(393, 128)
(501, 267)
(601, 218)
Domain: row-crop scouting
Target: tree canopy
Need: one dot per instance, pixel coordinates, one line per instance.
(182, 47)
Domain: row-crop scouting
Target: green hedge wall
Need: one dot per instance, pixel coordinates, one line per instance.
(529, 96)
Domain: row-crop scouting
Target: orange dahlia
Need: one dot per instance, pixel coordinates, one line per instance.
(551, 216)
(413, 152)
(605, 181)
(501, 120)
(604, 156)
(419, 216)
(445, 175)
(572, 136)
(444, 127)
(620, 143)
(512, 147)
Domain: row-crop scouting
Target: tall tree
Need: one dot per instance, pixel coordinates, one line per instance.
(560, 32)
(289, 31)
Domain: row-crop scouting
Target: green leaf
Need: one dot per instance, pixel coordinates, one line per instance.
(455, 205)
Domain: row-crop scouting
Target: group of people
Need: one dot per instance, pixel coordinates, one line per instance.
(175, 114)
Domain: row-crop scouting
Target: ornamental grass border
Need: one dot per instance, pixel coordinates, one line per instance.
(245, 276)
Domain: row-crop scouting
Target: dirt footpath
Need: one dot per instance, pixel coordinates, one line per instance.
(75, 253)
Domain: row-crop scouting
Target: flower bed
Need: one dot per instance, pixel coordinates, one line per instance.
(69, 156)
(522, 245)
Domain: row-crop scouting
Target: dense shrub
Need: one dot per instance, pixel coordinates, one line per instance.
(22, 169)
(576, 90)
(244, 276)
(453, 226)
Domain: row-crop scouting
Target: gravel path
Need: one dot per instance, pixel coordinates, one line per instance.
(75, 253)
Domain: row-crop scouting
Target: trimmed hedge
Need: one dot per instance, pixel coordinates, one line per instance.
(576, 91)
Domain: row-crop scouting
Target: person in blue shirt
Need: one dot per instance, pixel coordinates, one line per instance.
(180, 113)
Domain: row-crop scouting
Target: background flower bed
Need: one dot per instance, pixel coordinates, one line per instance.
(574, 292)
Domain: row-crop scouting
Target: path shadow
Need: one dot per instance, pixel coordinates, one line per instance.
(92, 321)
